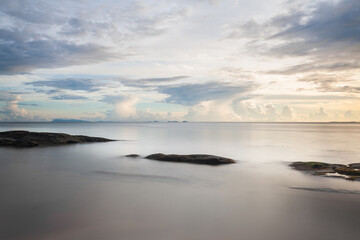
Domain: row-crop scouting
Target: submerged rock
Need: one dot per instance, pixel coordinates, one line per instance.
(192, 158)
(33, 139)
(350, 172)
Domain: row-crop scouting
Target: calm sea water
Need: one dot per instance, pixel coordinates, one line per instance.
(92, 192)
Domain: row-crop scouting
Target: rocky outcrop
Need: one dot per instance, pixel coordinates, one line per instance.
(33, 139)
(350, 171)
(192, 158)
(133, 155)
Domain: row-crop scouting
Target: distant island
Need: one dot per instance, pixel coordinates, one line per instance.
(59, 120)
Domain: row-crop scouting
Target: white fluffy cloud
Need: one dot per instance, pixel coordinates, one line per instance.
(125, 108)
(320, 115)
(239, 110)
(215, 111)
(13, 112)
(288, 113)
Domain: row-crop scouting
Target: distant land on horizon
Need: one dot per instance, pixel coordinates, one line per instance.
(59, 120)
(86, 121)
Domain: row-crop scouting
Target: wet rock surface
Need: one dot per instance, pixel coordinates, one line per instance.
(192, 158)
(33, 139)
(349, 172)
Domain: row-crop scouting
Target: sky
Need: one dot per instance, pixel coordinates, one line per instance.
(167, 60)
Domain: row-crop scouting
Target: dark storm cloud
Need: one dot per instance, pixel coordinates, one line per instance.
(191, 94)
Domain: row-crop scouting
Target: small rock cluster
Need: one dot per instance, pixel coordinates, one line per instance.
(349, 172)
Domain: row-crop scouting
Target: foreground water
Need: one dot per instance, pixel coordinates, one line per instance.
(91, 192)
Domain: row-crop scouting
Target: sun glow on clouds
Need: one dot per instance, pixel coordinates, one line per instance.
(185, 60)
(125, 109)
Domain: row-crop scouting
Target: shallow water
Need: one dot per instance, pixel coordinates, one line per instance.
(90, 191)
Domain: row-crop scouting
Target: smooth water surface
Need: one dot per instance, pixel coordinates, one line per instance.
(91, 191)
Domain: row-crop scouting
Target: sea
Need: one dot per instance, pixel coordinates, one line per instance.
(92, 191)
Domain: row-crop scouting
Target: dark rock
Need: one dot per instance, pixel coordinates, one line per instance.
(310, 166)
(133, 155)
(349, 172)
(355, 165)
(33, 139)
(193, 158)
(6, 141)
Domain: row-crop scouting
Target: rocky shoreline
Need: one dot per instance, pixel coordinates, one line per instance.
(34, 139)
(349, 172)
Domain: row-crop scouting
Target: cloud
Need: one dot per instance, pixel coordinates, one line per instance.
(23, 56)
(191, 94)
(218, 111)
(42, 34)
(288, 113)
(320, 115)
(326, 32)
(124, 105)
(350, 116)
(328, 27)
(330, 67)
(6, 96)
(150, 82)
(238, 110)
(248, 111)
(88, 85)
(270, 113)
(332, 82)
(97, 84)
(28, 104)
(12, 110)
(68, 97)
(125, 110)
(288, 97)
